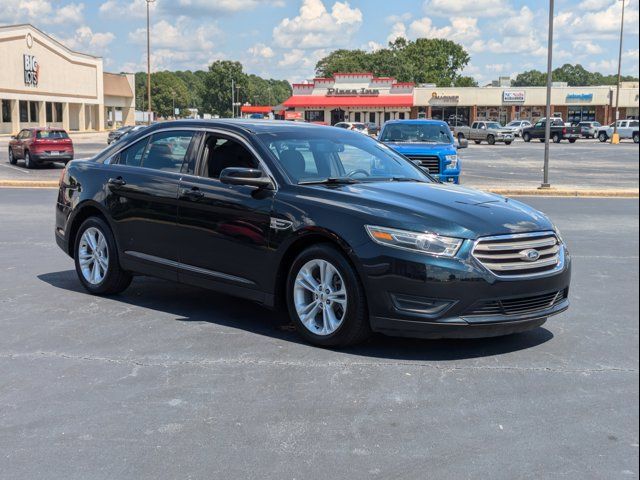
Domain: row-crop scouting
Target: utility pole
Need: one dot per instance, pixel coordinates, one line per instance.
(547, 125)
(615, 138)
(148, 65)
(233, 102)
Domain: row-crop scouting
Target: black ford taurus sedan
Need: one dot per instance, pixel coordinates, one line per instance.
(346, 234)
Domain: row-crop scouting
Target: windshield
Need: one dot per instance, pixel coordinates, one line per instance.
(52, 134)
(514, 124)
(319, 155)
(494, 125)
(417, 132)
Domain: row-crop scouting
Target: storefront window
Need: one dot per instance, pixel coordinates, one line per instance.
(6, 111)
(493, 114)
(372, 117)
(387, 116)
(357, 117)
(33, 111)
(49, 108)
(581, 114)
(314, 115)
(24, 112)
(58, 110)
(454, 116)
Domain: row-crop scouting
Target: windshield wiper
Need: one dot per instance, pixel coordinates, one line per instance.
(331, 181)
(405, 179)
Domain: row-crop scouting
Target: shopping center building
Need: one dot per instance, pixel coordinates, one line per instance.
(44, 83)
(361, 97)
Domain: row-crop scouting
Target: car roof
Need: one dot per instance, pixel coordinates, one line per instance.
(418, 121)
(239, 125)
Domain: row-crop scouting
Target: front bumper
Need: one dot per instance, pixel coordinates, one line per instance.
(440, 298)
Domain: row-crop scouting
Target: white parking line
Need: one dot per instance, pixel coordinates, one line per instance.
(21, 170)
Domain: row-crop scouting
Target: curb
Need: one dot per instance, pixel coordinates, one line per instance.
(511, 192)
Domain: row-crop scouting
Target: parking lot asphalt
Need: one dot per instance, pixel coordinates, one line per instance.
(587, 164)
(168, 381)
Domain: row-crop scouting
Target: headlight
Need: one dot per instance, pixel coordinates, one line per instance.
(423, 242)
(452, 161)
(559, 235)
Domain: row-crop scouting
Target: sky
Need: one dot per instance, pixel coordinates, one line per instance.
(283, 39)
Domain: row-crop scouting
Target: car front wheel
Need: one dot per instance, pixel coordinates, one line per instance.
(491, 140)
(636, 139)
(325, 299)
(556, 138)
(602, 137)
(12, 159)
(96, 259)
(526, 137)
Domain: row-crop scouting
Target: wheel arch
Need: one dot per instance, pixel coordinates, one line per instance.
(83, 211)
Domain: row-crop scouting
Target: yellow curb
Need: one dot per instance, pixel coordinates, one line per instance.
(29, 183)
(553, 192)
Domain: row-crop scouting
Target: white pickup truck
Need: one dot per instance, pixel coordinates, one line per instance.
(626, 129)
(490, 132)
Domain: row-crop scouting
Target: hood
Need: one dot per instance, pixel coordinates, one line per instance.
(421, 147)
(441, 208)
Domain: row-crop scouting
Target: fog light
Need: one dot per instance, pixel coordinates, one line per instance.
(425, 306)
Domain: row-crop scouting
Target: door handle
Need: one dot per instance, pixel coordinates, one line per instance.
(193, 193)
(117, 182)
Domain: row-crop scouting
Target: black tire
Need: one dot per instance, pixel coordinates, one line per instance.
(28, 161)
(355, 326)
(572, 140)
(507, 143)
(636, 139)
(526, 137)
(491, 140)
(556, 138)
(12, 159)
(603, 137)
(541, 140)
(477, 142)
(115, 280)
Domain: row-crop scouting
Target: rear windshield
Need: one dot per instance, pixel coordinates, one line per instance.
(51, 134)
(359, 125)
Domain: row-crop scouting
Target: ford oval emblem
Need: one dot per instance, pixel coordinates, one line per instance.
(530, 255)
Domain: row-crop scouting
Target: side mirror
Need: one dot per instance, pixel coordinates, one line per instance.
(250, 177)
(463, 143)
(14, 137)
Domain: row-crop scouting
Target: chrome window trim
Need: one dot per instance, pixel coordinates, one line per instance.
(558, 268)
(187, 267)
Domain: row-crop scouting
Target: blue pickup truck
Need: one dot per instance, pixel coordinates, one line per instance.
(429, 142)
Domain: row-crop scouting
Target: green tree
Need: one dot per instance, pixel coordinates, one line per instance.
(466, 82)
(425, 60)
(574, 75)
(530, 78)
(217, 94)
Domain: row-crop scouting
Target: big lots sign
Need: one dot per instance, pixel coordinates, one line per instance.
(352, 92)
(31, 70)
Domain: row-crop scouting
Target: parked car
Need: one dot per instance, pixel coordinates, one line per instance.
(479, 132)
(114, 135)
(558, 131)
(131, 131)
(516, 126)
(345, 233)
(626, 129)
(39, 146)
(355, 126)
(429, 143)
(373, 128)
(589, 129)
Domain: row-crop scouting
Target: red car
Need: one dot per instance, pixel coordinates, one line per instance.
(40, 145)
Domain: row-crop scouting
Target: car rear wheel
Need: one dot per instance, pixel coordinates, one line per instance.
(96, 259)
(541, 140)
(526, 137)
(636, 139)
(477, 142)
(556, 138)
(325, 298)
(491, 140)
(28, 161)
(12, 159)
(507, 143)
(602, 137)
(572, 140)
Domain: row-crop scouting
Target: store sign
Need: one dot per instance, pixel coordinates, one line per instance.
(31, 70)
(444, 99)
(513, 96)
(352, 92)
(579, 97)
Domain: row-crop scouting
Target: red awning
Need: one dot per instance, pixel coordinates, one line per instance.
(404, 101)
(255, 109)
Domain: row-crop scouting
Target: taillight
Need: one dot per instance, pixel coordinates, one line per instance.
(64, 170)
(564, 131)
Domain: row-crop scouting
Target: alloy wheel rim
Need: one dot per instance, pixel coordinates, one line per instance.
(320, 297)
(93, 256)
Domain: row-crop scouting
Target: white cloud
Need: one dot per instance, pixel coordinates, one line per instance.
(462, 29)
(316, 27)
(587, 47)
(40, 12)
(261, 50)
(126, 9)
(470, 8)
(605, 22)
(302, 58)
(86, 41)
(398, 30)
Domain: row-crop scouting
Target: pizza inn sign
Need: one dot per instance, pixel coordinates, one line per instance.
(352, 92)
(31, 70)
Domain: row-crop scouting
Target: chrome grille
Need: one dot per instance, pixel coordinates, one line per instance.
(431, 162)
(528, 254)
(518, 305)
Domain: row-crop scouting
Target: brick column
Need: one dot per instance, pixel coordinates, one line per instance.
(82, 118)
(15, 116)
(42, 114)
(474, 114)
(65, 116)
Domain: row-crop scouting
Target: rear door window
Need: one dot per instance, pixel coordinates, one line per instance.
(132, 156)
(167, 151)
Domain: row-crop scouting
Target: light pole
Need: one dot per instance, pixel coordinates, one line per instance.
(547, 123)
(173, 103)
(615, 138)
(148, 64)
